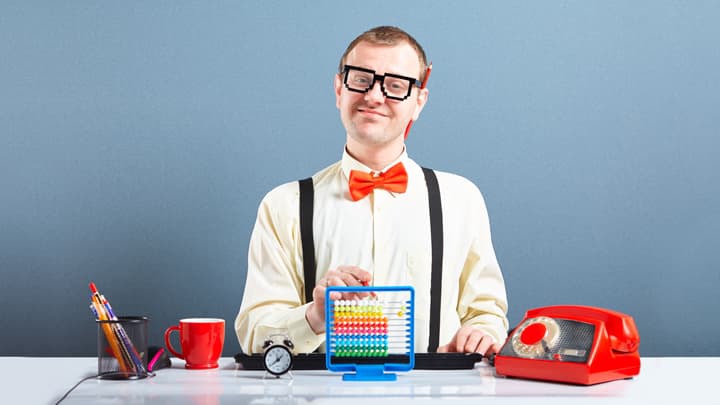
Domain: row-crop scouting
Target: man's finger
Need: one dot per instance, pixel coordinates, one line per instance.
(473, 343)
(484, 345)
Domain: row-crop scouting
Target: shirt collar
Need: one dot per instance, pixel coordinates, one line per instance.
(350, 163)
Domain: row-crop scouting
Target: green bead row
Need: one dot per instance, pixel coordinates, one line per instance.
(361, 353)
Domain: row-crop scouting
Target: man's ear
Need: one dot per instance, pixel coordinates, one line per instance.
(338, 88)
(422, 99)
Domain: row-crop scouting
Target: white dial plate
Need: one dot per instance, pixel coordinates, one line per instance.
(278, 360)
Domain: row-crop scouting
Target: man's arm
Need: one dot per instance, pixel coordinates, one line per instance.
(272, 300)
(482, 299)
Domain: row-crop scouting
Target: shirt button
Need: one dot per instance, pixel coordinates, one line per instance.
(411, 261)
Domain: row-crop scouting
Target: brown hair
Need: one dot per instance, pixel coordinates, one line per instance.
(390, 36)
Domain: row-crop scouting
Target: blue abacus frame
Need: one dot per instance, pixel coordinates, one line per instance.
(368, 372)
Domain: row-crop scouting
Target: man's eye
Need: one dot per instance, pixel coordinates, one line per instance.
(361, 80)
(396, 85)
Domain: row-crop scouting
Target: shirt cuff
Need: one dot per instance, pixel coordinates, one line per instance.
(303, 337)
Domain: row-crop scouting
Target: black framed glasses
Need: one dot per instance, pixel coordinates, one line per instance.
(395, 87)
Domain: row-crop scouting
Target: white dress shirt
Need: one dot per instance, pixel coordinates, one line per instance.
(385, 233)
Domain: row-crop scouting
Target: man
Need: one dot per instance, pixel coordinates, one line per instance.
(375, 235)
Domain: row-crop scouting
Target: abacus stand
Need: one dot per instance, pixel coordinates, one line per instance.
(369, 372)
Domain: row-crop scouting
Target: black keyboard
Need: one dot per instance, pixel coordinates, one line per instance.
(423, 361)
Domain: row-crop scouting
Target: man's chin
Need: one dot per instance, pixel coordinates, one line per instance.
(370, 138)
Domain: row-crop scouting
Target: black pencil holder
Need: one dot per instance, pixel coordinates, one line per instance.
(122, 348)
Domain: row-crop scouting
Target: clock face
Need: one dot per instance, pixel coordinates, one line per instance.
(278, 360)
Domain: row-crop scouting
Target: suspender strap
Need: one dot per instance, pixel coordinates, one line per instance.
(436, 235)
(307, 197)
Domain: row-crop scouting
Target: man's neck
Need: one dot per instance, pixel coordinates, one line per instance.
(376, 158)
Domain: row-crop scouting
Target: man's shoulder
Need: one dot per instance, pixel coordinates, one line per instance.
(455, 182)
(459, 194)
(283, 195)
(327, 174)
(289, 192)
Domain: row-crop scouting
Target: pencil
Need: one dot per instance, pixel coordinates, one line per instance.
(109, 335)
(422, 86)
(125, 339)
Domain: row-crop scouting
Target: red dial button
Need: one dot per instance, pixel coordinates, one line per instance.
(533, 334)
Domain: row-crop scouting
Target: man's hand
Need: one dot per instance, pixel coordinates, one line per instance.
(471, 340)
(342, 276)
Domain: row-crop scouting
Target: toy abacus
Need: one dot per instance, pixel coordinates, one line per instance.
(371, 335)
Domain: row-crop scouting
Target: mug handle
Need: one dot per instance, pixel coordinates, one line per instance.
(168, 331)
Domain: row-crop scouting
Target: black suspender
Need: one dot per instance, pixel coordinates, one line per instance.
(436, 235)
(436, 238)
(307, 197)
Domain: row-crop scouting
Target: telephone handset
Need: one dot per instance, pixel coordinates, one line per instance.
(573, 344)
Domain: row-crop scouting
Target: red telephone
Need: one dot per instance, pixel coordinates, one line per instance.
(571, 344)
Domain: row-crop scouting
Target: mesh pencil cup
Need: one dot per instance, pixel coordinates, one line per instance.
(122, 348)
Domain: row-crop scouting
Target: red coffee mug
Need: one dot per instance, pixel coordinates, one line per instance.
(201, 340)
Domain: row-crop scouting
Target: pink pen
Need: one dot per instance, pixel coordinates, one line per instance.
(155, 359)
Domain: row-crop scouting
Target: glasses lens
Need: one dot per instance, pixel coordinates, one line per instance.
(358, 80)
(396, 87)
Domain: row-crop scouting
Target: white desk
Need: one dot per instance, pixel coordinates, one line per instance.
(28, 380)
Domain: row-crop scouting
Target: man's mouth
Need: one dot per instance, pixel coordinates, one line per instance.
(370, 111)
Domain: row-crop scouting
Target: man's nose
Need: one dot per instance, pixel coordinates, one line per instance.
(375, 94)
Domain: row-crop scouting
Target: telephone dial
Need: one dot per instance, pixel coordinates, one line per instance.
(571, 344)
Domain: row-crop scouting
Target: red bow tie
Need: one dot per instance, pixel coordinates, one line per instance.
(393, 179)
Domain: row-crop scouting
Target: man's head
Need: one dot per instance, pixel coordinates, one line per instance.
(377, 88)
(389, 36)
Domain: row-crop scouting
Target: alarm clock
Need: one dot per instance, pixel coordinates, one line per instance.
(278, 357)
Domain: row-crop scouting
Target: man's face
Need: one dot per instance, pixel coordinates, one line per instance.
(369, 118)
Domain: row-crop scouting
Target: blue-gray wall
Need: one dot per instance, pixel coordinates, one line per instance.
(137, 138)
